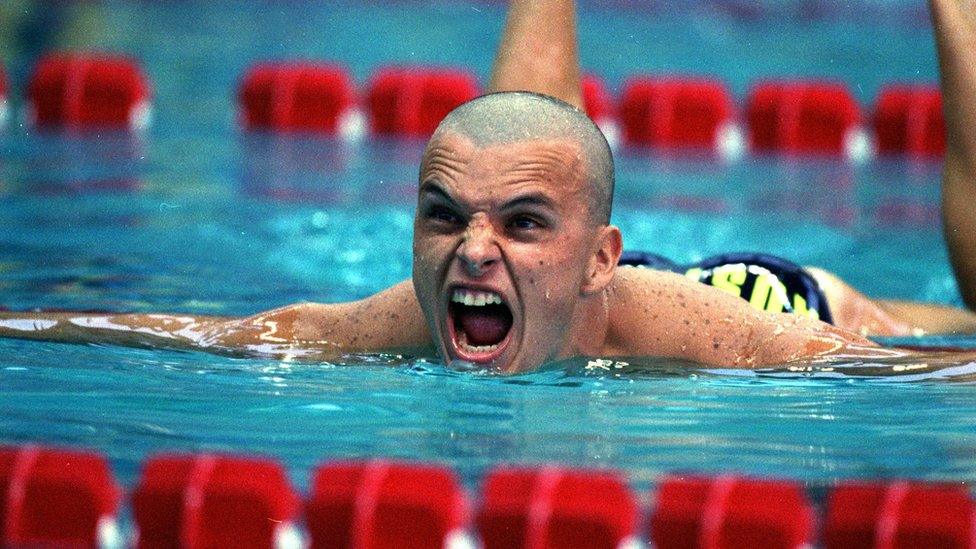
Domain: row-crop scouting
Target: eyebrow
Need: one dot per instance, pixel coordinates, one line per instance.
(530, 199)
(533, 198)
(433, 188)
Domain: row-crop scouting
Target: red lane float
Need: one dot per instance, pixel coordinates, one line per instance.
(599, 106)
(675, 112)
(412, 101)
(597, 101)
(908, 120)
(54, 498)
(377, 504)
(88, 92)
(212, 501)
(550, 507)
(899, 514)
(296, 97)
(730, 512)
(802, 117)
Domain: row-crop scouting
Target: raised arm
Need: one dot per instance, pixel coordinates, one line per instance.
(389, 321)
(538, 51)
(954, 22)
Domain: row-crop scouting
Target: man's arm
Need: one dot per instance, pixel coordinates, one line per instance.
(389, 321)
(954, 22)
(538, 51)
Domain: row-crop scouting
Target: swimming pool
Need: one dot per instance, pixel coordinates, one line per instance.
(194, 216)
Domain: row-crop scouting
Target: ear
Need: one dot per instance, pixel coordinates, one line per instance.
(603, 262)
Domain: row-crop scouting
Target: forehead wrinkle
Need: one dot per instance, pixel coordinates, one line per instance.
(545, 164)
(441, 158)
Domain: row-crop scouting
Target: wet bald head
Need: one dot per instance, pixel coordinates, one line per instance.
(511, 117)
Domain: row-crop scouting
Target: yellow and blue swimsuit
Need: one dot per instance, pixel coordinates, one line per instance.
(767, 282)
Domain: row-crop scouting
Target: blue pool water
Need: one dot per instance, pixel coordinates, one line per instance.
(195, 217)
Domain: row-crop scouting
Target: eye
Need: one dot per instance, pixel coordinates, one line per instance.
(525, 223)
(442, 215)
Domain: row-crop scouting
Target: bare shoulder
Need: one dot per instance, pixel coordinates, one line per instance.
(664, 314)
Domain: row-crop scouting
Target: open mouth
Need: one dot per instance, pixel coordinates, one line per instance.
(481, 323)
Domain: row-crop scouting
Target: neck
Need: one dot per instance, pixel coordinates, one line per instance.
(591, 323)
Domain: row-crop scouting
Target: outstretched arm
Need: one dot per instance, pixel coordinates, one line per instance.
(954, 22)
(538, 51)
(388, 321)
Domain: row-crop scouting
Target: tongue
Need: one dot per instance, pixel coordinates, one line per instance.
(483, 327)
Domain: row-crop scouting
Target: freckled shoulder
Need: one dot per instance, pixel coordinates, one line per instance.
(664, 314)
(657, 313)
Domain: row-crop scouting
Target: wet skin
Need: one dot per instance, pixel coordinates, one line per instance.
(512, 219)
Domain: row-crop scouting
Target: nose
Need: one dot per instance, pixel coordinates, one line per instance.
(478, 250)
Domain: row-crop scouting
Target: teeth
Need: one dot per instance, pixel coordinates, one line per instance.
(473, 298)
(478, 349)
(463, 344)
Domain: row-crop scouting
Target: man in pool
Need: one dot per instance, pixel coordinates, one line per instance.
(515, 263)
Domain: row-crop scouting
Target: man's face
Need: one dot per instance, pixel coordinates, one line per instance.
(502, 240)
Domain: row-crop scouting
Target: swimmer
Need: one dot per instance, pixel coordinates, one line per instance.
(515, 263)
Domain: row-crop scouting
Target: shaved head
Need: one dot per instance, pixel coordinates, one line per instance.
(511, 117)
